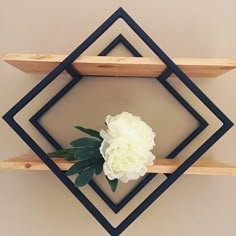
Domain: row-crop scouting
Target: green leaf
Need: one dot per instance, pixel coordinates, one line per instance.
(90, 132)
(86, 142)
(62, 152)
(79, 167)
(87, 153)
(84, 177)
(58, 153)
(70, 156)
(113, 184)
(99, 167)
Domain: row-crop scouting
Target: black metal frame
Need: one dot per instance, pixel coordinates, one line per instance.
(120, 39)
(171, 68)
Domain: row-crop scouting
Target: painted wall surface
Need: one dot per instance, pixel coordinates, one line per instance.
(36, 203)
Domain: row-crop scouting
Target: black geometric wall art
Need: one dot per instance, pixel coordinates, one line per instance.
(171, 69)
(202, 124)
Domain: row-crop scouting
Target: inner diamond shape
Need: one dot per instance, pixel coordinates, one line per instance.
(172, 68)
(163, 80)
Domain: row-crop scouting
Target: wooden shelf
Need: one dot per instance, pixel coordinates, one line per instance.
(32, 162)
(120, 66)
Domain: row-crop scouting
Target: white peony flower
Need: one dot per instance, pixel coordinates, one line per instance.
(126, 147)
(131, 127)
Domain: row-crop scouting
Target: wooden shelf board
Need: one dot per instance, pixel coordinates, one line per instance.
(201, 167)
(120, 66)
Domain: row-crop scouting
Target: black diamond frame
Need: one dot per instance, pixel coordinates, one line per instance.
(120, 39)
(171, 69)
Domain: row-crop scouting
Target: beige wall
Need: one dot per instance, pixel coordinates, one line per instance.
(36, 203)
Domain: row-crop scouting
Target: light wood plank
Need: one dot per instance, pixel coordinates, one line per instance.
(32, 162)
(120, 66)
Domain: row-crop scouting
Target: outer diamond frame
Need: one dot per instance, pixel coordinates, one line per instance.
(171, 68)
(120, 39)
